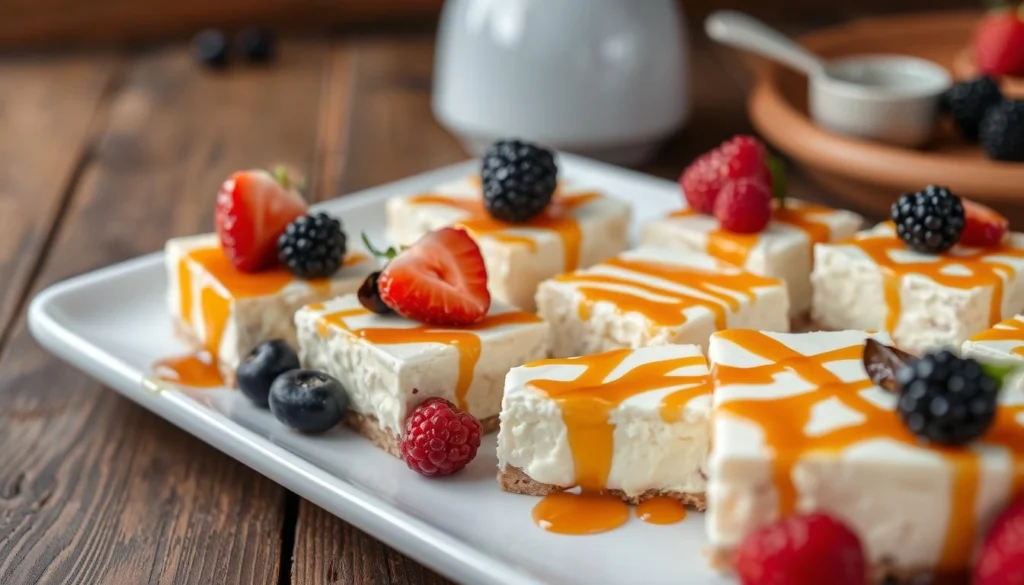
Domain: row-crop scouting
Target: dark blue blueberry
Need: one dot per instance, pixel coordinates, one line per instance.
(211, 48)
(257, 44)
(308, 401)
(262, 366)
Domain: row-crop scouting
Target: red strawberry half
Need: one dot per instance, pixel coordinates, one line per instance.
(439, 280)
(252, 210)
(999, 43)
(984, 226)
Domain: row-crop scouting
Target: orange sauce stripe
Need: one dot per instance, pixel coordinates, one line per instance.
(667, 311)
(984, 267)
(781, 420)
(1009, 330)
(558, 218)
(464, 340)
(735, 248)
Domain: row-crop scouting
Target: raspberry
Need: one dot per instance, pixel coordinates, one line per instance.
(802, 550)
(737, 158)
(439, 438)
(1001, 561)
(744, 206)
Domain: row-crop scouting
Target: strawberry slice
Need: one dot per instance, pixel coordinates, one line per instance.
(984, 226)
(439, 280)
(254, 208)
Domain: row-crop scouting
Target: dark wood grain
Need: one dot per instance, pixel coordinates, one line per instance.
(48, 109)
(92, 488)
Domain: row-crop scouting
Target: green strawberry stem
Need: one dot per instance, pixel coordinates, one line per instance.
(777, 168)
(999, 372)
(386, 254)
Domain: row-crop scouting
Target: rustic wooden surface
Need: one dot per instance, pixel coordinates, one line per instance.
(105, 155)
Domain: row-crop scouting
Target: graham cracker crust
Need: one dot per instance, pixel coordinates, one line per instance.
(184, 332)
(368, 426)
(514, 480)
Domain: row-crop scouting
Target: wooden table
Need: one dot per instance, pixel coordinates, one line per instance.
(103, 156)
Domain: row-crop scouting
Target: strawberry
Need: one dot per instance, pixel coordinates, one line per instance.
(254, 208)
(439, 280)
(999, 43)
(812, 549)
(737, 158)
(744, 206)
(984, 227)
(1001, 561)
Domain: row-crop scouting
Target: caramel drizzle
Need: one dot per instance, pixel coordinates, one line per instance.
(215, 307)
(667, 310)
(587, 402)
(983, 264)
(1009, 330)
(464, 340)
(735, 248)
(557, 218)
(783, 419)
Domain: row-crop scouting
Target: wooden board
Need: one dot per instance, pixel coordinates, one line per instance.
(92, 488)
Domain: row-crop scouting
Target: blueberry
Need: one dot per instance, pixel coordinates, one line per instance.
(257, 44)
(308, 401)
(262, 366)
(211, 48)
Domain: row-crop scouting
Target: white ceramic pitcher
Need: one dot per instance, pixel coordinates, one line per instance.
(602, 78)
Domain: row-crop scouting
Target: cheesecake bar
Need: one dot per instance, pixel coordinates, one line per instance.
(784, 250)
(629, 422)
(388, 364)
(874, 282)
(1002, 344)
(799, 427)
(656, 296)
(227, 312)
(579, 228)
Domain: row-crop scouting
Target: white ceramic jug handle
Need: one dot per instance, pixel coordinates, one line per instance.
(746, 32)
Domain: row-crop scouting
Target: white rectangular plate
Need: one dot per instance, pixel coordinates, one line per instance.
(113, 323)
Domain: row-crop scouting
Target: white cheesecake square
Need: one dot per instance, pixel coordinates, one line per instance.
(581, 227)
(873, 282)
(389, 364)
(227, 312)
(633, 422)
(798, 427)
(783, 250)
(655, 296)
(1003, 344)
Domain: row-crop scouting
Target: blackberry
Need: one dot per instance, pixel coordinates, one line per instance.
(312, 246)
(257, 44)
(210, 47)
(369, 295)
(946, 399)
(1002, 131)
(969, 101)
(519, 180)
(929, 221)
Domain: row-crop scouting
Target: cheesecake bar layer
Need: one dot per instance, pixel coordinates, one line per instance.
(388, 364)
(581, 227)
(784, 250)
(655, 296)
(629, 422)
(873, 282)
(798, 427)
(227, 312)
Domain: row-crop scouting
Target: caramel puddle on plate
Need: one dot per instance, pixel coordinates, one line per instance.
(586, 513)
(198, 370)
(661, 510)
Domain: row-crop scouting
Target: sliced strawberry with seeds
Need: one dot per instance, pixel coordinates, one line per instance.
(984, 226)
(252, 210)
(439, 280)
